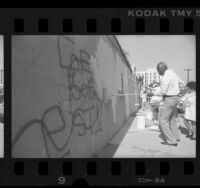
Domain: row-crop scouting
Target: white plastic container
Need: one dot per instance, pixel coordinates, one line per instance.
(141, 122)
(149, 115)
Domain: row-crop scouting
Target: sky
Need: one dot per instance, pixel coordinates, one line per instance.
(146, 51)
(1, 52)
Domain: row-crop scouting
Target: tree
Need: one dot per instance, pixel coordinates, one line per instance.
(140, 80)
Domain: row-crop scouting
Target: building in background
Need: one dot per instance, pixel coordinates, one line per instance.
(149, 76)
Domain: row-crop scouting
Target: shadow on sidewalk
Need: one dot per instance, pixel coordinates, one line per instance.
(183, 130)
(110, 149)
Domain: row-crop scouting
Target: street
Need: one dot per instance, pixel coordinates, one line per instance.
(1, 140)
(131, 142)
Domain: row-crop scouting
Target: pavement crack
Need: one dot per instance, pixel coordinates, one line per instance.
(145, 150)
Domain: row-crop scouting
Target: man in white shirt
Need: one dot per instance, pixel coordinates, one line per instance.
(169, 90)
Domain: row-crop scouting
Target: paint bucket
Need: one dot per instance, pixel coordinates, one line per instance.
(149, 115)
(148, 118)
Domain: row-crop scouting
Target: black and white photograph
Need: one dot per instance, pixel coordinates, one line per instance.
(1, 98)
(103, 96)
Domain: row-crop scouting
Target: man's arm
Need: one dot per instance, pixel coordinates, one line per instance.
(164, 85)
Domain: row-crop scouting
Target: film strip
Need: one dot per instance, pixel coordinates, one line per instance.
(71, 100)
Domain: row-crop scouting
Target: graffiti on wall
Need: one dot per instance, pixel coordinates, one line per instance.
(83, 104)
(81, 87)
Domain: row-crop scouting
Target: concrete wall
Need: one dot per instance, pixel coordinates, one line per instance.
(62, 103)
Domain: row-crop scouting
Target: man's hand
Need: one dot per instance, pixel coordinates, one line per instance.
(150, 94)
(151, 88)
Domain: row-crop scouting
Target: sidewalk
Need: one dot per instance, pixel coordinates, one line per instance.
(131, 142)
(1, 140)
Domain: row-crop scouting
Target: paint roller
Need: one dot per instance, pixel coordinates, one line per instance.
(131, 94)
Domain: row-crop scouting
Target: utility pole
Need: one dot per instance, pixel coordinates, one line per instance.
(188, 73)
